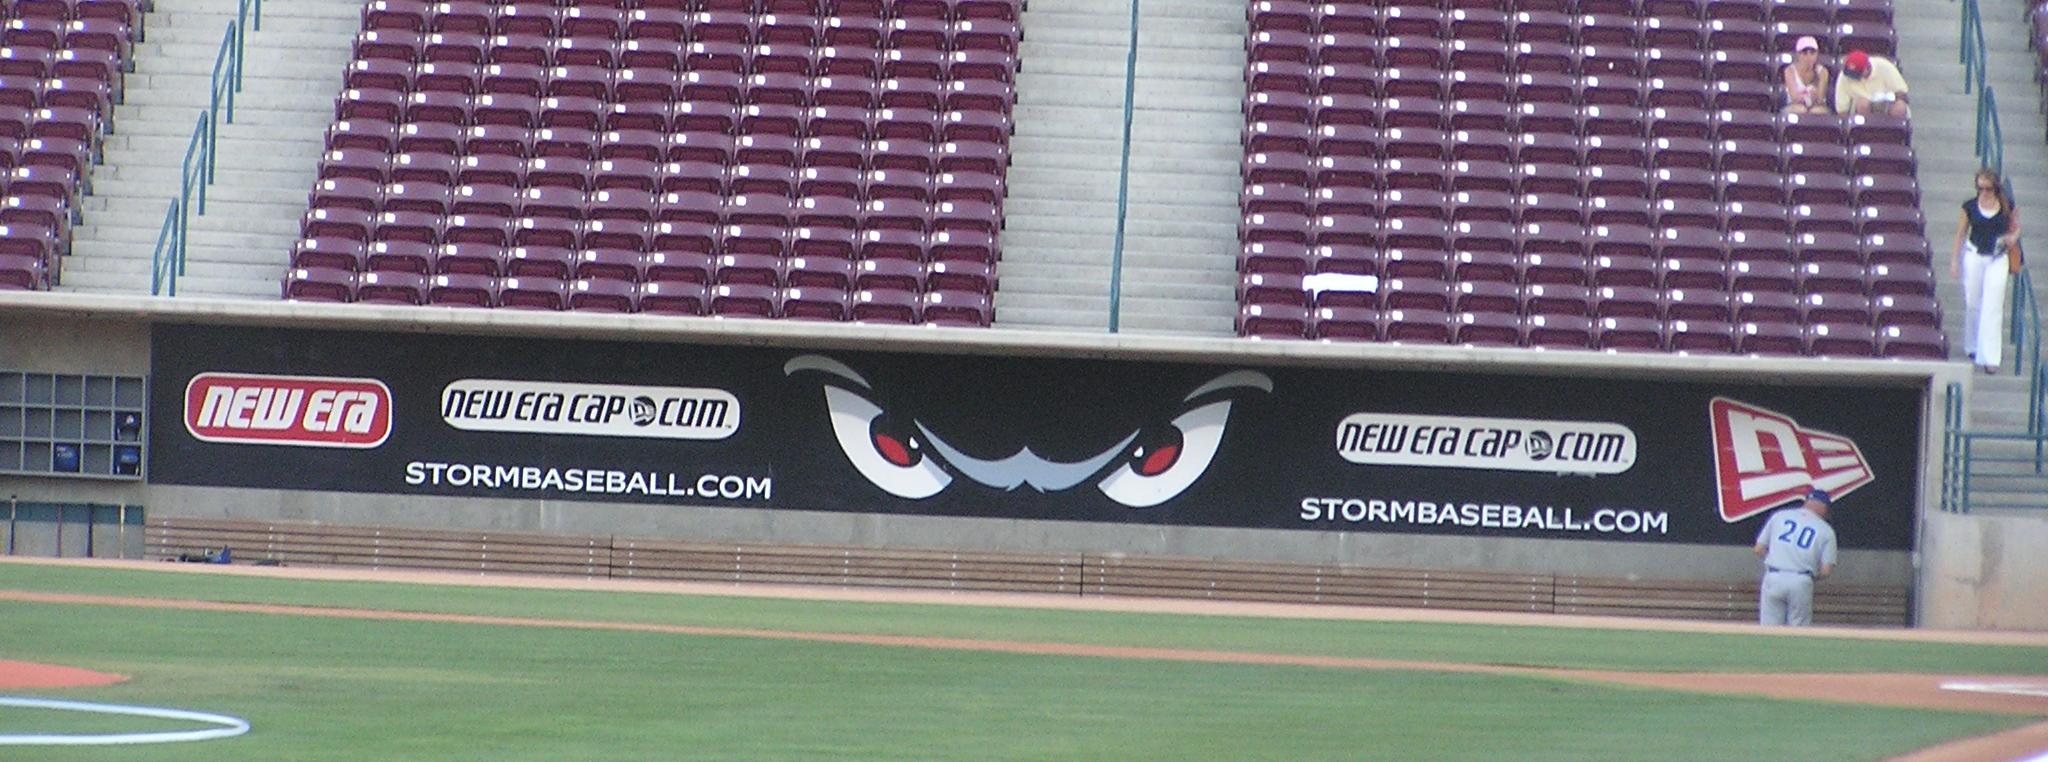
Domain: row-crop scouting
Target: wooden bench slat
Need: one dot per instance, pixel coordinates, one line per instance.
(472, 551)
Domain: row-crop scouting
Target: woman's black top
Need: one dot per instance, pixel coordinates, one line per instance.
(1984, 231)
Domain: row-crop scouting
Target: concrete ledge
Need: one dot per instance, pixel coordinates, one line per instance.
(993, 341)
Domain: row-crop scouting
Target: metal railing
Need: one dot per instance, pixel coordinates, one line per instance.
(2026, 324)
(196, 173)
(2026, 350)
(1962, 481)
(1123, 178)
(167, 262)
(1971, 47)
(1953, 468)
(1990, 135)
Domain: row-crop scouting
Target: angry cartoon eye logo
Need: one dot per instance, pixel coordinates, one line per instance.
(1155, 475)
(894, 462)
(911, 461)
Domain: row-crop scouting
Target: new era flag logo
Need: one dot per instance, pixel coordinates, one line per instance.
(1763, 460)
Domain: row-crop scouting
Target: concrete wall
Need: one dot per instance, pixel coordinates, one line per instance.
(1586, 557)
(68, 333)
(60, 530)
(1985, 572)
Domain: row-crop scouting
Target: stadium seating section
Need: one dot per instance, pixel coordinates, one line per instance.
(61, 64)
(810, 159)
(1603, 174)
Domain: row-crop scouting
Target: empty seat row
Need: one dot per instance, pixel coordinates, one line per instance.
(103, 34)
(908, 236)
(1572, 332)
(1441, 248)
(732, 300)
(1746, 225)
(1306, 16)
(815, 192)
(1498, 258)
(1697, 299)
(686, 163)
(840, 49)
(644, 267)
(1815, 201)
(1334, 181)
(984, 112)
(1291, 149)
(1409, 35)
(797, 71)
(720, 75)
(1424, 272)
(597, 28)
(683, 131)
(652, 17)
(787, 139)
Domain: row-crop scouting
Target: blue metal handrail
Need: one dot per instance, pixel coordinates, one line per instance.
(2026, 324)
(1990, 135)
(202, 153)
(1970, 47)
(2026, 343)
(1952, 468)
(2037, 416)
(166, 263)
(1123, 177)
(227, 75)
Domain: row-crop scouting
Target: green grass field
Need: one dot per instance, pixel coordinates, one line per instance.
(328, 688)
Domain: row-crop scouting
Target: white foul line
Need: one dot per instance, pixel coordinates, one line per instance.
(2013, 689)
(228, 727)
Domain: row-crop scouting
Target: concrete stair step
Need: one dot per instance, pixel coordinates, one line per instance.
(1049, 318)
(199, 237)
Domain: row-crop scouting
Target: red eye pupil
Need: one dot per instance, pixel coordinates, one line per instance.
(1156, 462)
(893, 450)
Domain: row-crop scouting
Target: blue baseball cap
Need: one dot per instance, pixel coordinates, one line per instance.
(1822, 496)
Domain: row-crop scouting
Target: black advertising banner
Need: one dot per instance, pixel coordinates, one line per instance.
(1129, 442)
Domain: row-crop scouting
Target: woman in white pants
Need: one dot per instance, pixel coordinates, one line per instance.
(1985, 236)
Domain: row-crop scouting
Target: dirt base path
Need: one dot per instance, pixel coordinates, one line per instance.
(28, 675)
(2001, 694)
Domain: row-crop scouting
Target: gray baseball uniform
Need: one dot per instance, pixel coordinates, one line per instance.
(1800, 544)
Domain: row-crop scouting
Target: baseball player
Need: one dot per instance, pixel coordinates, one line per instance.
(1797, 547)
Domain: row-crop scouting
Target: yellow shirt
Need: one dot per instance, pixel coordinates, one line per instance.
(1883, 78)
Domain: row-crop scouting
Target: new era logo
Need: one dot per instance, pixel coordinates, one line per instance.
(299, 411)
(1763, 460)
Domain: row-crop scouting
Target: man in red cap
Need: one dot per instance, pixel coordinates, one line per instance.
(1870, 84)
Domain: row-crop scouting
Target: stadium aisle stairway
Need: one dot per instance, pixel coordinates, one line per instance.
(1058, 249)
(266, 158)
(1927, 42)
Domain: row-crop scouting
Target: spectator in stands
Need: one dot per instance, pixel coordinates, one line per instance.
(1870, 83)
(1986, 235)
(1806, 80)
